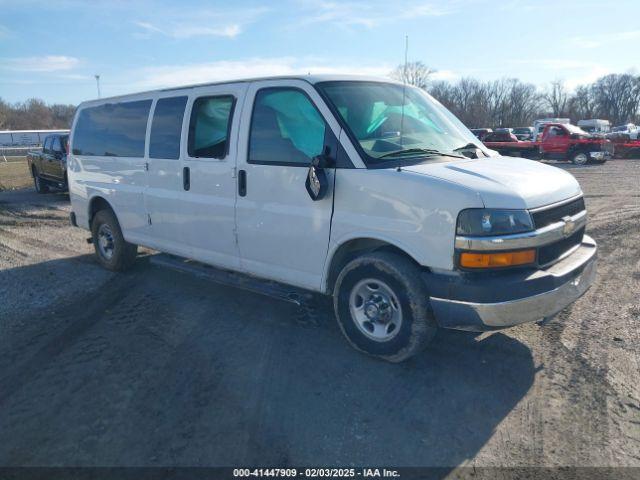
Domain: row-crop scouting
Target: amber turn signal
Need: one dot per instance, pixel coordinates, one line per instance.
(493, 260)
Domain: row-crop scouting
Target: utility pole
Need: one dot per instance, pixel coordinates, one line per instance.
(98, 83)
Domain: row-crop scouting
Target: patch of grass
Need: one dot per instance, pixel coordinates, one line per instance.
(14, 174)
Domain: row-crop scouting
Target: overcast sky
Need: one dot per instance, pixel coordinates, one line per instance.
(52, 49)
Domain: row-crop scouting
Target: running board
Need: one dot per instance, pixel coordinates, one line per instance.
(268, 288)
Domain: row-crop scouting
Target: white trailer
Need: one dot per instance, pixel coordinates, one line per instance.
(595, 125)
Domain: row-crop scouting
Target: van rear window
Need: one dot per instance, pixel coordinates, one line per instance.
(113, 130)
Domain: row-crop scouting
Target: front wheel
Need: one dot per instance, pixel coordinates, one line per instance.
(580, 158)
(112, 251)
(382, 306)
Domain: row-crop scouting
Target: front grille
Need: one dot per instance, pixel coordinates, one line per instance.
(552, 252)
(546, 217)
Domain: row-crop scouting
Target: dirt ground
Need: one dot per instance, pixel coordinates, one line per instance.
(155, 367)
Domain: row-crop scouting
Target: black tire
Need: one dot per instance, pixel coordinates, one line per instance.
(40, 185)
(417, 326)
(580, 158)
(122, 253)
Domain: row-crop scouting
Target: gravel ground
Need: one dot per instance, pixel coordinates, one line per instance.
(156, 367)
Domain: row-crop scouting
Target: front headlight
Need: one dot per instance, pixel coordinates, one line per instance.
(482, 222)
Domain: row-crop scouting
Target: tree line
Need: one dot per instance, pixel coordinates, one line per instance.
(510, 102)
(507, 102)
(35, 114)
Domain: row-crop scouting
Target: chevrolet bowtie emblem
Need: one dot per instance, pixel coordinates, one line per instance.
(569, 226)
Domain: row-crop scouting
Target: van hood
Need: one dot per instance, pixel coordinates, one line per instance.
(505, 182)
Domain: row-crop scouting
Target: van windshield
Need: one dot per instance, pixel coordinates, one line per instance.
(390, 120)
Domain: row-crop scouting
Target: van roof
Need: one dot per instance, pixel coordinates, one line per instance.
(312, 79)
(61, 130)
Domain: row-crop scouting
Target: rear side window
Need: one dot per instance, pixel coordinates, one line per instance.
(166, 128)
(286, 128)
(57, 146)
(113, 129)
(209, 126)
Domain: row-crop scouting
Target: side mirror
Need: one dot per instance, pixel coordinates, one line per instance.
(317, 183)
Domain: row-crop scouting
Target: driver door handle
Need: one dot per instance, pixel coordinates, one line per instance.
(242, 183)
(186, 178)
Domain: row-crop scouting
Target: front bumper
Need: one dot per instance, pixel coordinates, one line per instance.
(494, 300)
(600, 155)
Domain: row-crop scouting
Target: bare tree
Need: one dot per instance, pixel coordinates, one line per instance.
(5, 110)
(506, 102)
(523, 103)
(414, 73)
(582, 104)
(35, 114)
(556, 98)
(617, 97)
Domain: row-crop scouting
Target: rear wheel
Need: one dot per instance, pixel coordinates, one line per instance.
(39, 184)
(112, 251)
(580, 158)
(382, 306)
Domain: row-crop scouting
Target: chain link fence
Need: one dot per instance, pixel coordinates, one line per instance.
(14, 154)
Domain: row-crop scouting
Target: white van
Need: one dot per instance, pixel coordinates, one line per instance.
(354, 187)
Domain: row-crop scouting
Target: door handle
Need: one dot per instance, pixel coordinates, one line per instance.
(186, 178)
(242, 183)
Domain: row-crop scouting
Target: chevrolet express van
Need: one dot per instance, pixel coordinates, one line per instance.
(359, 188)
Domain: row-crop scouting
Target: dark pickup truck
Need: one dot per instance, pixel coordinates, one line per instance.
(48, 165)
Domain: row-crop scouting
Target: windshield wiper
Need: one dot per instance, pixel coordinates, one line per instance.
(423, 151)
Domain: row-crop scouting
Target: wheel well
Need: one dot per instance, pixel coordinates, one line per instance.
(97, 204)
(573, 151)
(354, 248)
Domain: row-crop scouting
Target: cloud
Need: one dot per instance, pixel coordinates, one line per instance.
(555, 63)
(176, 75)
(445, 75)
(371, 14)
(572, 72)
(206, 23)
(595, 41)
(185, 30)
(588, 75)
(48, 63)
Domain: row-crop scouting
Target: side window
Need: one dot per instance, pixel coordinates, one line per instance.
(286, 128)
(47, 145)
(166, 128)
(209, 126)
(57, 146)
(112, 129)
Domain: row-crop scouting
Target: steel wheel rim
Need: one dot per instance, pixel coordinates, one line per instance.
(106, 244)
(580, 159)
(375, 309)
